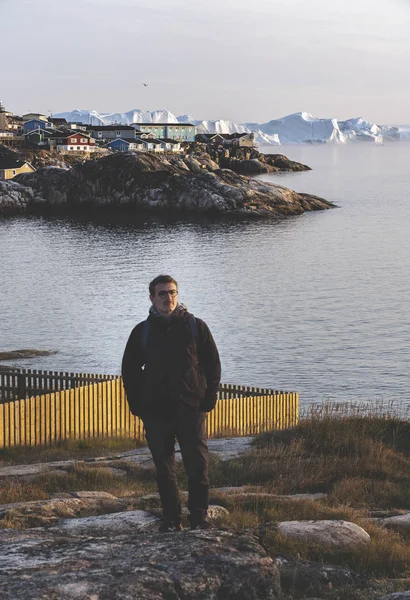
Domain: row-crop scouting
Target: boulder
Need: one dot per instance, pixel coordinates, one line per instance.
(149, 566)
(399, 523)
(335, 536)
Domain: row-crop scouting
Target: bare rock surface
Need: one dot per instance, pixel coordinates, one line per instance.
(109, 524)
(204, 565)
(304, 578)
(120, 523)
(248, 492)
(14, 198)
(337, 536)
(396, 596)
(143, 181)
(222, 448)
(399, 523)
(38, 513)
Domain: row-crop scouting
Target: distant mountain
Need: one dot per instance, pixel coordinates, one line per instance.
(297, 128)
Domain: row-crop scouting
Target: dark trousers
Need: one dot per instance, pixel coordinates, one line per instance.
(190, 431)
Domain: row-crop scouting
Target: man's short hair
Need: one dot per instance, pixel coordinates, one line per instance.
(161, 279)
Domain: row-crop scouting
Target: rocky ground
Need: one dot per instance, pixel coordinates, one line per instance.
(192, 183)
(97, 546)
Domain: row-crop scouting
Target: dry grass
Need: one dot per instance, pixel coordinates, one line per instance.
(77, 478)
(67, 450)
(360, 462)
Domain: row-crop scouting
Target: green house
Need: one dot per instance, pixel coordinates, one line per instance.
(182, 132)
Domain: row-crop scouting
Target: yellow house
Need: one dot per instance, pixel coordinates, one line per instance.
(10, 167)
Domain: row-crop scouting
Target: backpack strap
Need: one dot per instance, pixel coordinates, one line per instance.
(144, 334)
(194, 328)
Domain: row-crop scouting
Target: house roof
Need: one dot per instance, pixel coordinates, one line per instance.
(66, 134)
(124, 141)
(225, 136)
(166, 124)
(109, 127)
(50, 132)
(8, 162)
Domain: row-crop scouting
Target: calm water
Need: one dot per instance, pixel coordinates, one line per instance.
(316, 303)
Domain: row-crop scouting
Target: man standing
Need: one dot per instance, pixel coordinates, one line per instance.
(171, 372)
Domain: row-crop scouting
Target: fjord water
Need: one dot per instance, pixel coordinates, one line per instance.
(316, 303)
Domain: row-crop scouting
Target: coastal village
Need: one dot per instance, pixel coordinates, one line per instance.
(38, 132)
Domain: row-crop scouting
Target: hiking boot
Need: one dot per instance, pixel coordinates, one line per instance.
(169, 526)
(200, 523)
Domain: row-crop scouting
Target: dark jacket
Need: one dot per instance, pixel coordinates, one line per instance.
(175, 372)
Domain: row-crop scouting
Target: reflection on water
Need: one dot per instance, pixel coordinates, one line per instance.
(315, 303)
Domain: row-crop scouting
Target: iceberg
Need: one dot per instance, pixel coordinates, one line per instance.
(302, 128)
(297, 128)
(220, 127)
(92, 117)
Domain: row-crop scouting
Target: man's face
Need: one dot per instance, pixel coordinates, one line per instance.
(165, 298)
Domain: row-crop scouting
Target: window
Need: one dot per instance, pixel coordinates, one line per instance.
(78, 147)
(13, 172)
(83, 140)
(71, 147)
(73, 140)
(118, 133)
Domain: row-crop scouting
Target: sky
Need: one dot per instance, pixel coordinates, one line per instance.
(247, 61)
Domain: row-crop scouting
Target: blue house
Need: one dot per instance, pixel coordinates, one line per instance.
(121, 145)
(36, 124)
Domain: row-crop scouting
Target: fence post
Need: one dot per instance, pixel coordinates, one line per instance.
(21, 385)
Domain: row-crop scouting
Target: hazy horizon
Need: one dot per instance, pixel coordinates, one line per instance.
(212, 60)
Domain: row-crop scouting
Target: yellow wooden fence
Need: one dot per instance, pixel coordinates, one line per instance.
(101, 410)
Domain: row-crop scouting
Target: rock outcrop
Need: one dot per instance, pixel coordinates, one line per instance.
(248, 161)
(200, 564)
(14, 198)
(26, 353)
(146, 182)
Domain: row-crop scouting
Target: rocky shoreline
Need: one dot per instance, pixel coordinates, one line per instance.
(192, 183)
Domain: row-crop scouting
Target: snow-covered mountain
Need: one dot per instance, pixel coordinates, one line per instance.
(293, 129)
(92, 117)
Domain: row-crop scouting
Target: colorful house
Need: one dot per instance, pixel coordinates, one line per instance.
(235, 140)
(38, 116)
(36, 124)
(182, 132)
(171, 145)
(10, 167)
(72, 142)
(40, 136)
(106, 133)
(120, 145)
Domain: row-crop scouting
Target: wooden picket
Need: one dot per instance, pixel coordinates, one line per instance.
(100, 409)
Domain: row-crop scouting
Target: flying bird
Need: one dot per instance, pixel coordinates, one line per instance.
(145, 84)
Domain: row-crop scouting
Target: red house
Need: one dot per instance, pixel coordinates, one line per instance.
(74, 142)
